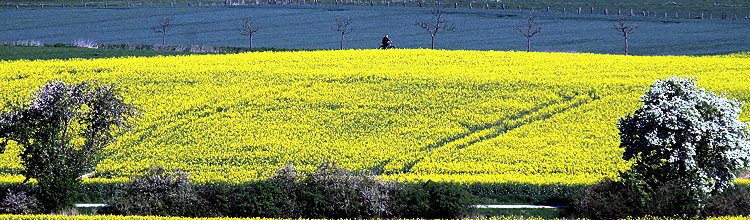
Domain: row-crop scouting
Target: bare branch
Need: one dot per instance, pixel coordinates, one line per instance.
(529, 28)
(248, 26)
(163, 28)
(342, 25)
(623, 28)
(424, 24)
(436, 23)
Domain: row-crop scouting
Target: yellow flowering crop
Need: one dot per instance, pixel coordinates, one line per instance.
(467, 116)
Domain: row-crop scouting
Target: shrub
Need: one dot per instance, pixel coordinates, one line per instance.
(431, 200)
(333, 192)
(158, 192)
(20, 203)
(85, 44)
(217, 199)
(410, 200)
(257, 199)
(447, 200)
(734, 201)
(329, 192)
(288, 179)
(28, 43)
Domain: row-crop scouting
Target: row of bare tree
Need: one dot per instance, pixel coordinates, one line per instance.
(434, 25)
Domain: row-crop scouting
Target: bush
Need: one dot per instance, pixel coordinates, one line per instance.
(159, 192)
(329, 192)
(431, 200)
(257, 199)
(20, 203)
(448, 200)
(217, 199)
(333, 192)
(85, 44)
(608, 200)
(734, 201)
(614, 200)
(410, 201)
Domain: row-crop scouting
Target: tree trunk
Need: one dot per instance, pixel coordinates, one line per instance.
(432, 45)
(251, 41)
(627, 47)
(528, 44)
(342, 41)
(164, 39)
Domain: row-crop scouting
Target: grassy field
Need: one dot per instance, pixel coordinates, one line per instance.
(67, 51)
(467, 116)
(309, 27)
(46, 53)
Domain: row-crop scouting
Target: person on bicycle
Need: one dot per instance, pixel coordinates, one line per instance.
(386, 42)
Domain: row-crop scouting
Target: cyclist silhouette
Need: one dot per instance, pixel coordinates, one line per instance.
(386, 43)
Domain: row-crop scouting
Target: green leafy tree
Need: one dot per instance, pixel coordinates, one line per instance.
(62, 130)
(686, 138)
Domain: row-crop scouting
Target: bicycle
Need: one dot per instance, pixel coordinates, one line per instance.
(388, 47)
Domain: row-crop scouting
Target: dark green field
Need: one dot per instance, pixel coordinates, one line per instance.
(46, 53)
(67, 51)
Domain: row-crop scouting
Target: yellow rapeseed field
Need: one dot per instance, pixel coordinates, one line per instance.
(467, 116)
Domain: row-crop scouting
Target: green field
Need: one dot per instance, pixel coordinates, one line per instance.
(46, 53)
(67, 51)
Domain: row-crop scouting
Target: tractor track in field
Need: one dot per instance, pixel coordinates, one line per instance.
(485, 132)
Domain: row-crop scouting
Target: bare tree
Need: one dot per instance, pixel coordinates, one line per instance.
(528, 29)
(163, 28)
(248, 28)
(624, 27)
(342, 26)
(435, 24)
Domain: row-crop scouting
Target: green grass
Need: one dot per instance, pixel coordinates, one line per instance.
(66, 51)
(48, 53)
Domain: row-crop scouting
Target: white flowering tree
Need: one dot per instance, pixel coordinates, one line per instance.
(685, 136)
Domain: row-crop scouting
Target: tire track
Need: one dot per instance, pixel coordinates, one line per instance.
(478, 134)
